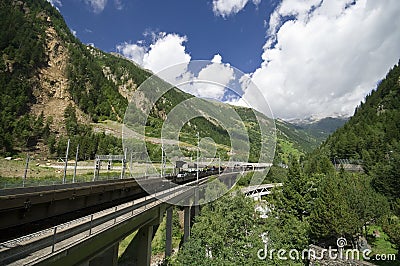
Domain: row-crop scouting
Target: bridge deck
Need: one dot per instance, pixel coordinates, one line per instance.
(33, 208)
(259, 188)
(50, 244)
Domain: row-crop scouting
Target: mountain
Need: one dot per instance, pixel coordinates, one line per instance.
(320, 128)
(55, 88)
(292, 141)
(299, 137)
(44, 70)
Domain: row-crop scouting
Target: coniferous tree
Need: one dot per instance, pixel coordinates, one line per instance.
(226, 233)
(331, 216)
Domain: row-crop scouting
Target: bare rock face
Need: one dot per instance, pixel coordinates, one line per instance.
(53, 78)
(125, 84)
(51, 93)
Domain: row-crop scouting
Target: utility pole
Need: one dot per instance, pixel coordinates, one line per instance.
(219, 164)
(96, 171)
(162, 158)
(66, 163)
(131, 164)
(123, 163)
(147, 166)
(76, 163)
(26, 169)
(198, 146)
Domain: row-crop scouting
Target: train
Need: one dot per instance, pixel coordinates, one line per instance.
(191, 174)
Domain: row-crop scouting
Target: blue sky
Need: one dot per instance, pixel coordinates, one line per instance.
(237, 38)
(307, 57)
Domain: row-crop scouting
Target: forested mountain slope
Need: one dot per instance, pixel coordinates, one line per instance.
(373, 135)
(44, 70)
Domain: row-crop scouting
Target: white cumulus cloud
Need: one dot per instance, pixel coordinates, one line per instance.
(96, 5)
(165, 51)
(118, 4)
(323, 57)
(135, 52)
(225, 8)
(211, 81)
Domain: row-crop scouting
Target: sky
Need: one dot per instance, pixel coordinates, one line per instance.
(307, 57)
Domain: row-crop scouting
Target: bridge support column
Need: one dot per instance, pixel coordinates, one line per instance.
(186, 223)
(196, 202)
(229, 182)
(168, 239)
(142, 251)
(108, 257)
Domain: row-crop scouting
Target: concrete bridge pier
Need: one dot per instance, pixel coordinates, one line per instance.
(141, 251)
(230, 181)
(188, 214)
(168, 232)
(108, 257)
(186, 223)
(196, 203)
